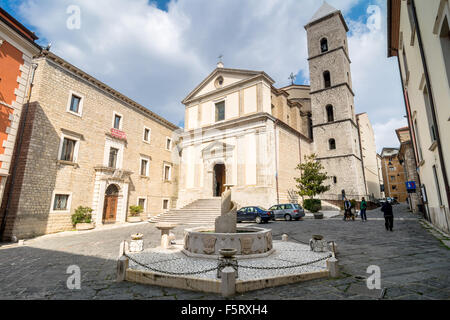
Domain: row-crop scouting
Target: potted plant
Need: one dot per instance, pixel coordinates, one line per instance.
(311, 184)
(135, 214)
(82, 218)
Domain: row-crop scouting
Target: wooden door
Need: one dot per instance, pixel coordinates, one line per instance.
(110, 209)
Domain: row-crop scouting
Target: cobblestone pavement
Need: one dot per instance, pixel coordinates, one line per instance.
(414, 263)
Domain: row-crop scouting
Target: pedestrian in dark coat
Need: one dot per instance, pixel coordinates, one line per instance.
(363, 208)
(388, 215)
(347, 209)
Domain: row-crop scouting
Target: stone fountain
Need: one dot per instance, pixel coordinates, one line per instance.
(249, 242)
(226, 259)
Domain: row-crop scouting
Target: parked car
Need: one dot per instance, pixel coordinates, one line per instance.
(257, 214)
(287, 211)
(391, 200)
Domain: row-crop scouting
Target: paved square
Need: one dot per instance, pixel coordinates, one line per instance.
(414, 263)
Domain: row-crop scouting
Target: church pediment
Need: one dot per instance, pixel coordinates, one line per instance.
(222, 78)
(217, 149)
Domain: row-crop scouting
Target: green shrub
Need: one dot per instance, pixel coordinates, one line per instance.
(135, 211)
(354, 203)
(82, 215)
(312, 205)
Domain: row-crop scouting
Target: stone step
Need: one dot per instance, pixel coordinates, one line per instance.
(202, 211)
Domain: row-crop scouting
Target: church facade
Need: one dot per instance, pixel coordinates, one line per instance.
(243, 133)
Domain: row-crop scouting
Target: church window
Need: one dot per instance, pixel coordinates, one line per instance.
(219, 82)
(327, 79)
(332, 144)
(330, 114)
(334, 179)
(310, 126)
(220, 111)
(324, 45)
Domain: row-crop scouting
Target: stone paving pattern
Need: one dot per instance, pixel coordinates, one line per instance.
(414, 263)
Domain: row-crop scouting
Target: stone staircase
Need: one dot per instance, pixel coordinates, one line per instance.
(327, 206)
(202, 211)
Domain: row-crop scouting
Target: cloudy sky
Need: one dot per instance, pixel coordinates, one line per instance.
(156, 52)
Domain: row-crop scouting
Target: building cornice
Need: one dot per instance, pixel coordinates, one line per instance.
(340, 156)
(249, 118)
(330, 51)
(227, 89)
(25, 45)
(334, 86)
(58, 61)
(335, 122)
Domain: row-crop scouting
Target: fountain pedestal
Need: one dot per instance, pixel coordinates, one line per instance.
(165, 233)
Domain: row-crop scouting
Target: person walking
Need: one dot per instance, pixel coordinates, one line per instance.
(388, 216)
(363, 208)
(347, 209)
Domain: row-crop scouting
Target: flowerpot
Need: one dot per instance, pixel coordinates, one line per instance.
(134, 219)
(318, 215)
(84, 226)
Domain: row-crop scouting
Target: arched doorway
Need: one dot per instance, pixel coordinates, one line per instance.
(110, 205)
(219, 180)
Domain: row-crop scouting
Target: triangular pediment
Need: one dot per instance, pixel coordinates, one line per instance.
(217, 148)
(229, 77)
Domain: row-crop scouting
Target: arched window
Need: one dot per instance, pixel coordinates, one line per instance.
(324, 45)
(332, 144)
(327, 79)
(330, 114)
(334, 179)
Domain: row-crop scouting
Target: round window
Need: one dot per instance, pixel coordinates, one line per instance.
(219, 82)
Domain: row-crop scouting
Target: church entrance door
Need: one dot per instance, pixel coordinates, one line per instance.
(110, 204)
(219, 180)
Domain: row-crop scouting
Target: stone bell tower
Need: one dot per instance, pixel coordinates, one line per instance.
(335, 129)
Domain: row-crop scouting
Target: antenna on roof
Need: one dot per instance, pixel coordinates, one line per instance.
(292, 78)
(220, 63)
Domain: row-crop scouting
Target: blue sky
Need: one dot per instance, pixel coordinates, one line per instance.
(168, 47)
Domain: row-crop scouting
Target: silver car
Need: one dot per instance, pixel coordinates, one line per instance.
(287, 211)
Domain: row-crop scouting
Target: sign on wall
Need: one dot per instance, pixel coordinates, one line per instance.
(118, 134)
(410, 185)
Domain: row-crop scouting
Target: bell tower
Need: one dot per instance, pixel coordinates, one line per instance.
(335, 129)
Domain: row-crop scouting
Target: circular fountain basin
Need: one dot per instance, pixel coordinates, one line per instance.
(249, 242)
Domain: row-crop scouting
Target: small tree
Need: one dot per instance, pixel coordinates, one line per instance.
(311, 178)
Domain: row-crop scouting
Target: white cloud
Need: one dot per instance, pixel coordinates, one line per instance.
(385, 132)
(157, 57)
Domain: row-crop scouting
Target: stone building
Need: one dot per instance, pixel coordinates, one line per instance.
(244, 133)
(369, 156)
(407, 159)
(335, 131)
(380, 176)
(85, 144)
(17, 48)
(393, 175)
(418, 35)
